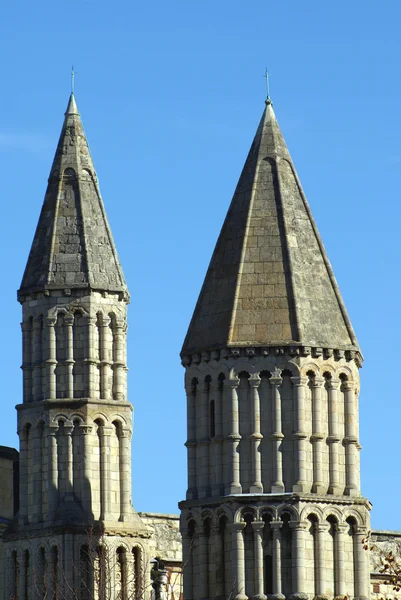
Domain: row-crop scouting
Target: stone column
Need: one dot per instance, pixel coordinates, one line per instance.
(258, 527)
(218, 482)
(300, 436)
(298, 560)
(26, 327)
(203, 442)
(202, 563)
(277, 435)
(87, 451)
(119, 384)
(50, 362)
(51, 435)
(37, 358)
(277, 585)
(341, 588)
(350, 440)
(187, 561)
(218, 562)
(23, 579)
(233, 485)
(321, 530)
(238, 560)
(317, 436)
(333, 438)
(69, 361)
(361, 557)
(24, 474)
(106, 433)
(105, 358)
(36, 471)
(68, 432)
(255, 437)
(125, 473)
(191, 440)
(91, 375)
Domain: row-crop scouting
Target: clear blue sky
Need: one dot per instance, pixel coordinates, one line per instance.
(170, 94)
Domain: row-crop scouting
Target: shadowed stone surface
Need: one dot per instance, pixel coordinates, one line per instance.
(73, 246)
(269, 281)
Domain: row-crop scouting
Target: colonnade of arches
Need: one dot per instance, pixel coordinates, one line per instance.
(100, 573)
(264, 551)
(272, 431)
(74, 355)
(71, 459)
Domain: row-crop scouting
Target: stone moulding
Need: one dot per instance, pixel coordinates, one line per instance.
(290, 350)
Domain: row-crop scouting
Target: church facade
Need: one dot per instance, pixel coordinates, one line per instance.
(274, 507)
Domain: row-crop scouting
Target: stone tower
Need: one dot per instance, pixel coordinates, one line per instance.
(273, 506)
(75, 422)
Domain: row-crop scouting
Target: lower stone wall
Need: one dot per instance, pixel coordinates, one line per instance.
(383, 542)
(165, 545)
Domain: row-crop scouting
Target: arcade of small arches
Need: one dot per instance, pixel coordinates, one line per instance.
(83, 459)
(70, 354)
(91, 570)
(276, 430)
(264, 550)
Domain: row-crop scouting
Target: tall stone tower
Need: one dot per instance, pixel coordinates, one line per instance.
(273, 505)
(75, 422)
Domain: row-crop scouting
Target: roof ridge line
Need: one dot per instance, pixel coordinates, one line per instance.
(288, 276)
(248, 218)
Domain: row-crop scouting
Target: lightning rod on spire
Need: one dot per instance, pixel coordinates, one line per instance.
(73, 73)
(268, 99)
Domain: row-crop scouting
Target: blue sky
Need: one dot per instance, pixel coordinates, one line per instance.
(170, 95)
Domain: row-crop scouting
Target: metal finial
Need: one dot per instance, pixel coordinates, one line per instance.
(267, 86)
(73, 73)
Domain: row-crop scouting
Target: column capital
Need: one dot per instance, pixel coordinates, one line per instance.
(348, 386)
(254, 380)
(233, 382)
(258, 525)
(107, 431)
(50, 321)
(200, 531)
(190, 388)
(276, 378)
(341, 527)
(298, 381)
(85, 429)
(275, 525)
(318, 382)
(69, 319)
(126, 434)
(26, 326)
(105, 321)
(360, 530)
(322, 527)
(332, 383)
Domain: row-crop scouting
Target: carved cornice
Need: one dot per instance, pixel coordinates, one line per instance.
(290, 351)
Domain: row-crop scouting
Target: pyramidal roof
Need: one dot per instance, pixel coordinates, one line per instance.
(269, 281)
(73, 246)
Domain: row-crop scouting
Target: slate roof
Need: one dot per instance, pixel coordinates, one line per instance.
(269, 281)
(73, 246)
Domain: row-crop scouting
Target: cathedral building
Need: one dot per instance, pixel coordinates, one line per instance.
(76, 534)
(274, 507)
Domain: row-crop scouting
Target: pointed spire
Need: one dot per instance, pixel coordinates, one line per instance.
(269, 281)
(72, 108)
(73, 246)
